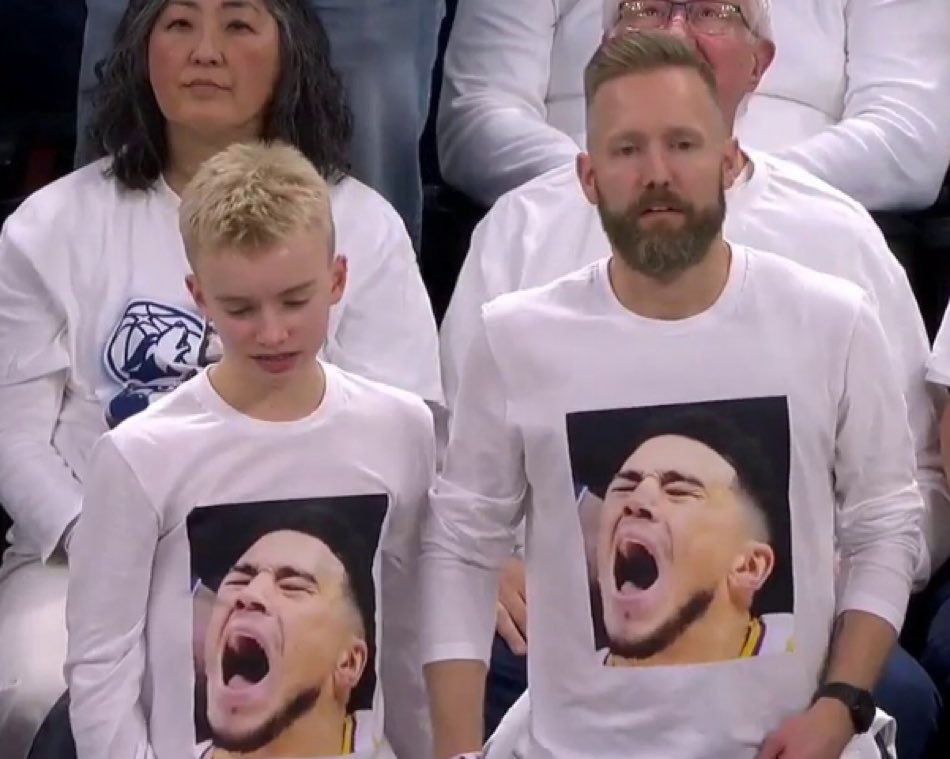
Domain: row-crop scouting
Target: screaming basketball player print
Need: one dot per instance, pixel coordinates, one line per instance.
(686, 539)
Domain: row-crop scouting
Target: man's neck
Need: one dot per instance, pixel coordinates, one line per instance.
(287, 402)
(187, 150)
(688, 293)
(318, 734)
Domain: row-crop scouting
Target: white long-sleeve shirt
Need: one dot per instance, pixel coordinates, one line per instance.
(95, 320)
(869, 118)
(512, 95)
(130, 610)
(546, 229)
(859, 94)
(777, 331)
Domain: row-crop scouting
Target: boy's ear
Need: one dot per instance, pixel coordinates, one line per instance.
(197, 294)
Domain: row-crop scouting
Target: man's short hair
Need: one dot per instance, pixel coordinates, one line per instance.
(252, 196)
(754, 474)
(227, 543)
(643, 53)
(758, 14)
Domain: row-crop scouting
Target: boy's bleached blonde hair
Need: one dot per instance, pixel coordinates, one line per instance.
(252, 196)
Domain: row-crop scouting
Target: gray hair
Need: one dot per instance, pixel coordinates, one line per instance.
(758, 14)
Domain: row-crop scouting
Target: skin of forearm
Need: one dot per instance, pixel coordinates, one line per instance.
(860, 645)
(456, 702)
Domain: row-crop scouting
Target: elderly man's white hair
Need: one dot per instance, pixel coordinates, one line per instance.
(758, 13)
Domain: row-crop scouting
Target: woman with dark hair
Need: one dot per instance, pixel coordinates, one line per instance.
(95, 320)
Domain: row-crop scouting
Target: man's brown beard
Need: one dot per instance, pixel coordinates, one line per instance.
(664, 253)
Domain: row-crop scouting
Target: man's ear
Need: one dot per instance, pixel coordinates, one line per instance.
(731, 163)
(585, 175)
(349, 668)
(762, 57)
(750, 570)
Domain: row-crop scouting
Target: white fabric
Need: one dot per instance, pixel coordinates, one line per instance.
(511, 738)
(512, 95)
(858, 94)
(130, 665)
(546, 229)
(777, 330)
(79, 252)
(33, 600)
(938, 368)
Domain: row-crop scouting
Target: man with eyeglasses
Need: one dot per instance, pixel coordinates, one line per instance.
(546, 229)
(859, 94)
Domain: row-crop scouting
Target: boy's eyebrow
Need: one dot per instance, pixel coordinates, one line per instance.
(295, 290)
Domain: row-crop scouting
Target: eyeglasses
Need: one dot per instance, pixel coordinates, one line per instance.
(705, 16)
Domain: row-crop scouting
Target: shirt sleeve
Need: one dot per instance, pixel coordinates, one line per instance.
(475, 506)
(890, 149)
(37, 487)
(492, 128)
(405, 698)
(387, 330)
(880, 508)
(109, 577)
(938, 368)
(478, 282)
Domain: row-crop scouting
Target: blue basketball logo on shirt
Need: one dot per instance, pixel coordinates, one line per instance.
(154, 348)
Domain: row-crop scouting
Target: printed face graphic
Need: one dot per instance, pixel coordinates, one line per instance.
(285, 638)
(677, 536)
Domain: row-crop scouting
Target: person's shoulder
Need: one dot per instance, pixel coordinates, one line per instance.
(555, 189)
(381, 401)
(164, 424)
(562, 296)
(778, 277)
(826, 205)
(67, 200)
(357, 206)
(524, 223)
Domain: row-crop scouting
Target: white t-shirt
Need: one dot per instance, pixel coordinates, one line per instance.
(870, 119)
(546, 229)
(95, 319)
(561, 386)
(178, 499)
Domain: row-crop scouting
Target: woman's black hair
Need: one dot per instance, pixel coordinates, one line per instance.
(308, 108)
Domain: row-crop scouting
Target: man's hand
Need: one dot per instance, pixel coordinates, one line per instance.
(512, 614)
(822, 732)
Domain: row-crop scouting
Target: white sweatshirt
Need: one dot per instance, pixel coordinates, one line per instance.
(95, 319)
(546, 229)
(137, 555)
(869, 118)
(779, 337)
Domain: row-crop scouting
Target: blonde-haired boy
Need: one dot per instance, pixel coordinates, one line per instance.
(268, 424)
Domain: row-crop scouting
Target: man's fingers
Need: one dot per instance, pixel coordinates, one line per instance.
(773, 747)
(509, 632)
(515, 606)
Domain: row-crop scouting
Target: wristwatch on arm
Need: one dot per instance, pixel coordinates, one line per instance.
(860, 703)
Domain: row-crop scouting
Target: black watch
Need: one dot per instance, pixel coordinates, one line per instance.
(860, 703)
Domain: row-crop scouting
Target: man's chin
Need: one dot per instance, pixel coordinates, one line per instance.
(249, 734)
